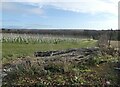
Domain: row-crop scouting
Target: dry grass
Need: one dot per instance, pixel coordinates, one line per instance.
(115, 44)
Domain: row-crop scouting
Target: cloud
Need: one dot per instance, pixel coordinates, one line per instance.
(36, 11)
(20, 8)
(83, 6)
(103, 7)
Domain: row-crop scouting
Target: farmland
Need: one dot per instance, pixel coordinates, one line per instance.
(82, 62)
(18, 45)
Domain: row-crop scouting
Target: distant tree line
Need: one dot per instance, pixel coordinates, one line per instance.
(94, 34)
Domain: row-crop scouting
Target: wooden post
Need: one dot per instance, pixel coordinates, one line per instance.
(110, 37)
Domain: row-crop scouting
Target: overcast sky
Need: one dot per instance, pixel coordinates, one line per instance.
(85, 14)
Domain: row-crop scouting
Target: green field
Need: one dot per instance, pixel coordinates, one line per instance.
(17, 50)
(24, 46)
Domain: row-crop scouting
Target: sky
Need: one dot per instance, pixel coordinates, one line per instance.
(59, 14)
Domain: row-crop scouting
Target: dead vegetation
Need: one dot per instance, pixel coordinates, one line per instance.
(84, 66)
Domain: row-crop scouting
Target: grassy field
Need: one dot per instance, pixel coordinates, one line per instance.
(57, 70)
(17, 46)
(22, 45)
